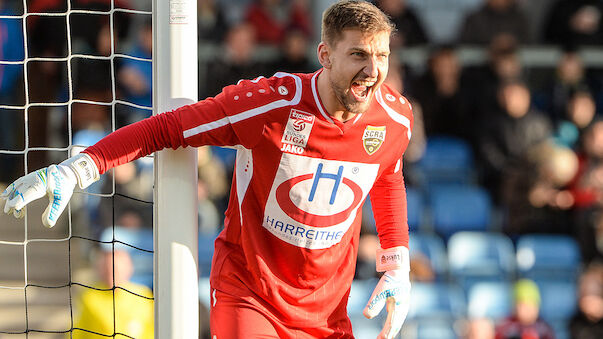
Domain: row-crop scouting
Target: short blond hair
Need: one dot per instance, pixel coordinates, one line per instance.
(353, 14)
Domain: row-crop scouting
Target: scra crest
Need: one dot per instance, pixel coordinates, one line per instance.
(373, 138)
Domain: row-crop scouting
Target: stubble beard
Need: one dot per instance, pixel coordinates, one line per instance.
(347, 100)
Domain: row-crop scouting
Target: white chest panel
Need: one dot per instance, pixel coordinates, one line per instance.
(313, 202)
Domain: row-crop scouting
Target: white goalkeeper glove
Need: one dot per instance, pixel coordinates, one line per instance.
(56, 181)
(393, 289)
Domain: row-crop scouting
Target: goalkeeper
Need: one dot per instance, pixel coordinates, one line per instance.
(310, 149)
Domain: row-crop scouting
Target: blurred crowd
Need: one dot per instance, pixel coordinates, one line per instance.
(533, 133)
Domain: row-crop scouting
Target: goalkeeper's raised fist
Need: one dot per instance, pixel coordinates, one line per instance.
(56, 181)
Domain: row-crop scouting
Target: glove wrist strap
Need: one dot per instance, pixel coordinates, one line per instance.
(394, 258)
(84, 168)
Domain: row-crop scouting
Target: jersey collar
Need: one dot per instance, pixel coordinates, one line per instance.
(319, 105)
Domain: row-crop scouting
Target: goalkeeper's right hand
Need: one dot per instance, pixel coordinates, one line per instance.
(56, 181)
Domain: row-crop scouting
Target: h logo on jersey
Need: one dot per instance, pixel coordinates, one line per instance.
(298, 214)
(297, 132)
(313, 201)
(373, 138)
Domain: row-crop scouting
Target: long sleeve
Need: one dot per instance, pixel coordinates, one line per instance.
(234, 117)
(388, 198)
(137, 140)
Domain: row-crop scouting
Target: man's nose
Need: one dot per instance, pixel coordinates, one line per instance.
(371, 69)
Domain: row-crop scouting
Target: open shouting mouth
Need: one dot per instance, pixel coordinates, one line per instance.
(361, 89)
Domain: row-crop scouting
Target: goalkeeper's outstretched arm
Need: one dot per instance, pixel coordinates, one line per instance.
(207, 122)
(58, 181)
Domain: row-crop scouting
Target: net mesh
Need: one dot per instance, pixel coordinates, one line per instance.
(66, 70)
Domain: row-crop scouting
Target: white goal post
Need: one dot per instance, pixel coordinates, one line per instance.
(175, 210)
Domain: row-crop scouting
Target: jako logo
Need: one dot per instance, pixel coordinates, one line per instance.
(297, 131)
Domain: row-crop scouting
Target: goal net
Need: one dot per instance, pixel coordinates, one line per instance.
(71, 71)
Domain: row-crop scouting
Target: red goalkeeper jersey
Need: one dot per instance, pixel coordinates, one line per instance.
(292, 226)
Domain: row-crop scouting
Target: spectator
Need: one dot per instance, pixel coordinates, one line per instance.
(535, 194)
(215, 177)
(481, 84)
(587, 323)
(587, 194)
(574, 23)
(300, 17)
(12, 48)
(133, 180)
(101, 311)
(211, 19)
(92, 80)
(410, 31)
(235, 63)
(85, 28)
(587, 186)
(507, 135)
(580, 112)
(556, 166)
(568, 77)
(293, 55)
(493, 18)
(46, 38)
(589, 232)
(270, 19)
(438, 92)
(480, 328)
(212, 189)
(525, 322)
(136, 77)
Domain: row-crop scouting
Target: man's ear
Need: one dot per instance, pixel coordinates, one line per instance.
(324, 55)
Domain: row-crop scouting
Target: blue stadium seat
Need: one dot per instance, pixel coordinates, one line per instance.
(446, 160)
(367, 214)
(558, 300)
(547, 257)
(480, 256)
(459, 208)
(415, 206)
(360, 293)
(428, 329)
(206, 253)
(434, 249)
(489, 300)
(436, 301)
(226, 155)
(364, 328)
(436, 329)
(561, 329)
(558, 304)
